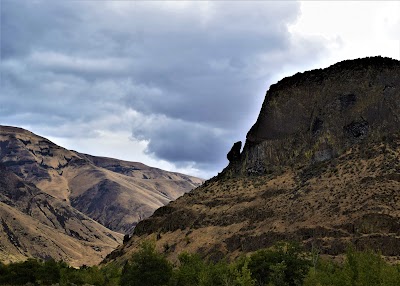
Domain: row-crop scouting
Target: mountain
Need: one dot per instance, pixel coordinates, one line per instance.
(35, 224)
(320, 166)
(88, 201)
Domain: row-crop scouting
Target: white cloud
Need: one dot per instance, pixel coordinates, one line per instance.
(54, 61)
(352, 29)
(120, 145)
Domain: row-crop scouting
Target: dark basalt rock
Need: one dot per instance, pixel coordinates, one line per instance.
(317, 126)
(314, 116)
(357, 129)
(234, 154)
(347, 101)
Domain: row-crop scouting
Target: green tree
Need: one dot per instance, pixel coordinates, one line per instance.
(194, 271)
(359, 268)
(71, 276)
(363, 268)
(22, 273)
(112, 274)
(188, 273)
(327, 272)
(284, 264)
(241, 273)
(146, 268)
(49, 273)
(215, 274)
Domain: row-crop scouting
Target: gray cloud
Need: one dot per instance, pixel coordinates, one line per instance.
(194, 73)
(180, 141)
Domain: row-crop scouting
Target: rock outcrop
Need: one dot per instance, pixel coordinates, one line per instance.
(317, 115)
(234, 153)
(320, 166)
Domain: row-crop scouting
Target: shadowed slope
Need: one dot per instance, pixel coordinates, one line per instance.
(35, 224)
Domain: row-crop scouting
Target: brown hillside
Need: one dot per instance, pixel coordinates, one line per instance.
(320, 166)
(35, 224)
(116, 194)
(113, 192)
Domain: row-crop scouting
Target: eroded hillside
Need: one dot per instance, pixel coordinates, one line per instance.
(35, 224)
(78, 195)
(320, 166)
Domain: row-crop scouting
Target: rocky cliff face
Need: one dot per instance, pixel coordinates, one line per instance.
(317, 115)
(69, 188)
(320, 166)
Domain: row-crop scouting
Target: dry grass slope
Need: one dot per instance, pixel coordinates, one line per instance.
(73, 206)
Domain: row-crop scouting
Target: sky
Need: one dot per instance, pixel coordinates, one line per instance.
(170, 84)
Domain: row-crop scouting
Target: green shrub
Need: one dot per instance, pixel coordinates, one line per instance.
(20, 273)
(284, 264)
(49, 273)
(112, 274)
(360, 268)
(146, 268)
(193, 271)
(189, 271)
(241, 273)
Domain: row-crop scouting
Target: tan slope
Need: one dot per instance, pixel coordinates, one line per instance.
(321, 166)
(22, 236)
(35, 224)
(113, 192)
(62, 204)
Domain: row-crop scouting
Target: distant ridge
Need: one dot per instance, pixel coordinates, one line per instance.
(90, 201)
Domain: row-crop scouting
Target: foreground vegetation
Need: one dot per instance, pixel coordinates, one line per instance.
(284, 264)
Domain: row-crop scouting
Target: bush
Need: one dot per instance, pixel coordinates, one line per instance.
(146, 268)
(284, 264)
(360, 268)
(20, 273)
(112, 274)
(189, 271)
(241, 273)
(193, 271)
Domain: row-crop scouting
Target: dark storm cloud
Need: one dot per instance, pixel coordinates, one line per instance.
(197, 142)
(194, 73)
(33, 25)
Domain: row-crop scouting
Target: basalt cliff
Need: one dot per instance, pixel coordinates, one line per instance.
(320, 166)
(66, 205)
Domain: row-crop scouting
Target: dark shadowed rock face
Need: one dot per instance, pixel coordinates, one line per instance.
(317, 115)
(234, 153)
(320, 166)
